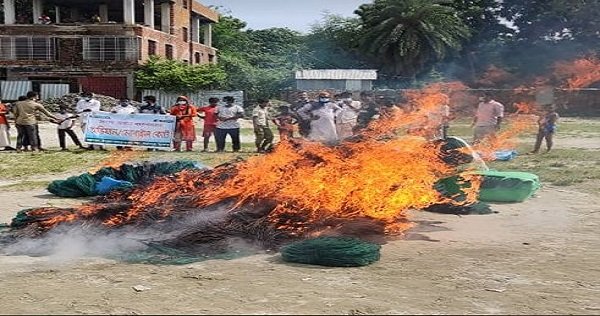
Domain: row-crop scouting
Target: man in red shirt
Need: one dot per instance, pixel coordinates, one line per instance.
(210, 120)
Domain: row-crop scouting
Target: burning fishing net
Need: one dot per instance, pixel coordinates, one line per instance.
(301, 190)
(87, 184)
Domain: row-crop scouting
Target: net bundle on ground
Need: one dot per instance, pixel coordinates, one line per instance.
(332, 252)
(85, 184)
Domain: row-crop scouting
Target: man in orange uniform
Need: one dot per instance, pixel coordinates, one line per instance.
(185, 129)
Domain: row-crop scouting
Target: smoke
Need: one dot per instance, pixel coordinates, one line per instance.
(68, 242)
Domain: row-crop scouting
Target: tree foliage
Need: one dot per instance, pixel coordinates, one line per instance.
(260, 62)
(407, 35)
(554, 20)
(172, 75)
(333, 43)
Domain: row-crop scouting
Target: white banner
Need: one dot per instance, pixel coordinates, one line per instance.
(132, 130)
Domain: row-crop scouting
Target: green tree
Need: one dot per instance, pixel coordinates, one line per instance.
(333, 43)
(172, 75)
(408, 35)
(260, 62)
(554, 20)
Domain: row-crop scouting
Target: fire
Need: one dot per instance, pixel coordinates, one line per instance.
(424, 115)
(579, 73)
(518, 124)
(307, 186)
(525, 108)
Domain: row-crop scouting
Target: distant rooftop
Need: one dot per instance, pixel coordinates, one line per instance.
(337, 74)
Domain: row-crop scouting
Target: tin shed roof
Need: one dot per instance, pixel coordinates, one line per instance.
(337, 74)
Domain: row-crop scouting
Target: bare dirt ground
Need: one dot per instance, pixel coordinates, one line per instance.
(537, 257)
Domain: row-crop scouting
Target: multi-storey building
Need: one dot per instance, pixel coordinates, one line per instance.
(96, 45)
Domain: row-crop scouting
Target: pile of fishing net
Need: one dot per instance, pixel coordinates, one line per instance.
(88, 184)
(332, 252)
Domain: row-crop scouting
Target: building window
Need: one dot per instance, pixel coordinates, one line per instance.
(169, 51)
(111, 48)
(151, 48)
(197, 58)
(185, 34)
(211, 58)
(185, 4)
(27, 48)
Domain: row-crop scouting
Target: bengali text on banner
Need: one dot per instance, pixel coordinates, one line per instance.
(135, 130)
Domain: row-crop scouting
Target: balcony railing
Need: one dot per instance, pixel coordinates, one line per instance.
(27, 48)
(103, 48)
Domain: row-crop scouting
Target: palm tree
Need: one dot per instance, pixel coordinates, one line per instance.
(405, 35)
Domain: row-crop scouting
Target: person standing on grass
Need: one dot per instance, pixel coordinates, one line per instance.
(488, 118)
(285, 123)
(85, 106)
(210, 120)
(228, 116)
(260, 120)
(65, 127)
(26, 121)
(547, 128)
(185, 130)
(4, 128)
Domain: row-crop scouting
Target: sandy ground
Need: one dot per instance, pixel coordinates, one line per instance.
(540, 256)
(537, 257)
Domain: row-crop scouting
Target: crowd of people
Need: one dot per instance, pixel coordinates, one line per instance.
(326, 119)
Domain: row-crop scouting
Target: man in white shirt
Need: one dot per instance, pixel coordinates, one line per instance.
(124, 107)
(85, 106)
(228, 116)
(260, 120)
(65, 127)
(488, 118)
(322, 119)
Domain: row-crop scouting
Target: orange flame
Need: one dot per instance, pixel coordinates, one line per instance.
(116, 159)
(579, 73)
(518, 124)
(380, 177)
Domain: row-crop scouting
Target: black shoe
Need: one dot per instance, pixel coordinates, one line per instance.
(8, 148)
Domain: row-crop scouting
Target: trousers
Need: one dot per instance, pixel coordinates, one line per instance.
(221, 135)
(62, 133)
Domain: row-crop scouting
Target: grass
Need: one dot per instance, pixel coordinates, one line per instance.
(560, 167)
(567, 126)
(29, 166)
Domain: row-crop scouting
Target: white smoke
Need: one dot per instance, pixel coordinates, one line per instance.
(70, 242)
(66, 243)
